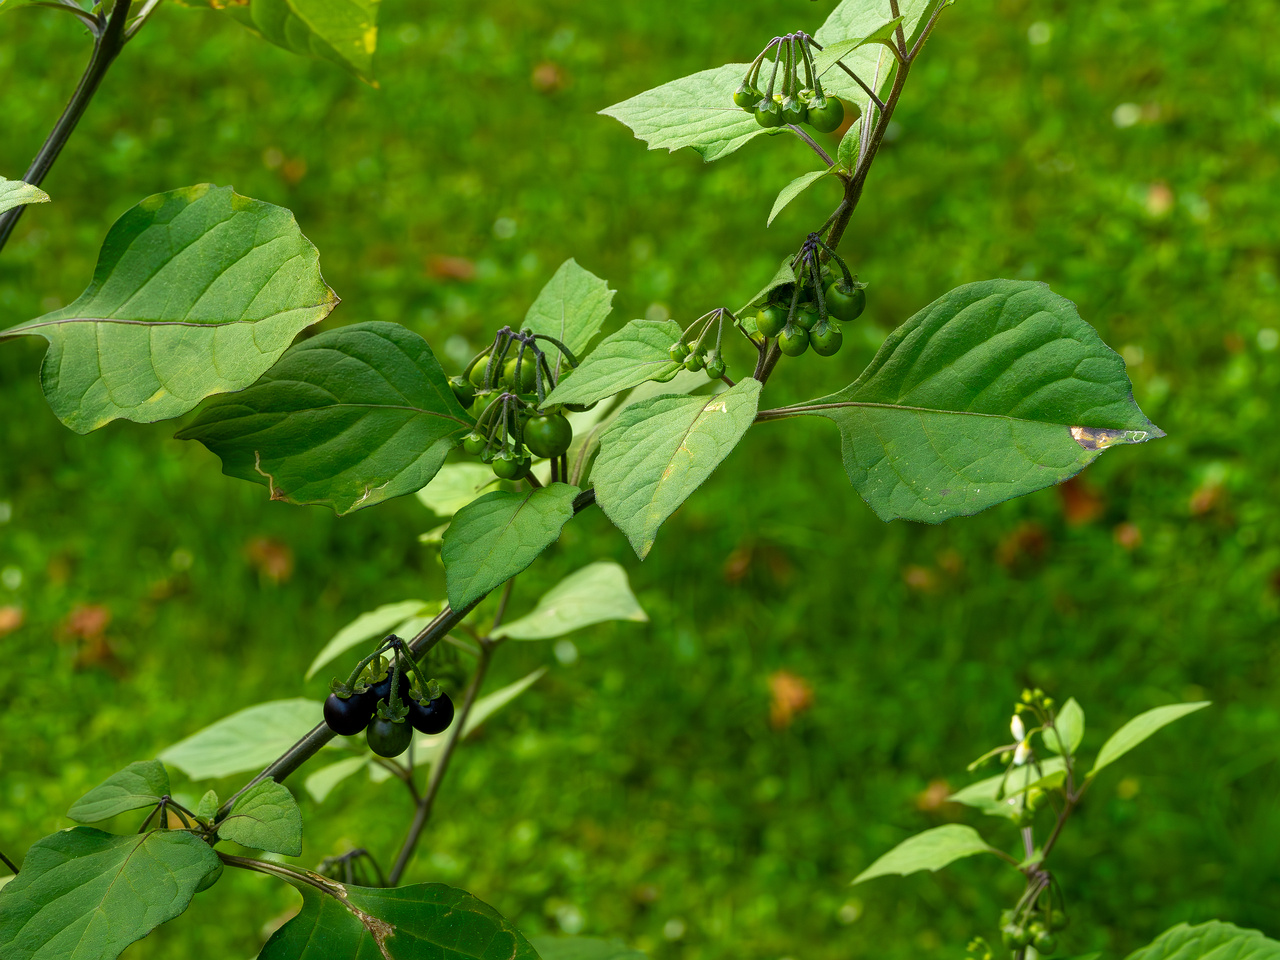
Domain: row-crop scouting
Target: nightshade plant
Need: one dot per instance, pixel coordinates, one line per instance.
(994, 390)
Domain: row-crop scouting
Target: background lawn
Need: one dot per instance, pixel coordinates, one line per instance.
(1125, 154)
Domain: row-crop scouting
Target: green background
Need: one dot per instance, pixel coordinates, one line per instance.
(640, 792)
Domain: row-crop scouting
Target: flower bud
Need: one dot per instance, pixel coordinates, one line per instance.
(1017, 728)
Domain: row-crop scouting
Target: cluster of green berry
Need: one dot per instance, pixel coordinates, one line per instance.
(505, 387)
(691, 349)
(808, 312)
(1019, 931)
(791, 103)
(380, 700)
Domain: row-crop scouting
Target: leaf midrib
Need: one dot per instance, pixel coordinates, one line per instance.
(783, 413)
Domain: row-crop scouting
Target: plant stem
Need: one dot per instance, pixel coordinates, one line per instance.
(9, 863)
(811, 142)
(431, 634)
(284, 872)
(106, 47)
(441, 764)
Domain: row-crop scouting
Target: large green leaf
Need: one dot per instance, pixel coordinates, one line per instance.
(456, 485)
(197, 291)
(659, 451)
(492, 539)
(389, 618)
(931, 850)
(583, 948)
(425, 921)
(85, 894)
(247, 740)
(1069, 723)
(15, 193)
(784, 275)
(827, 57)
(138, 785)
(1139, 728)
(349, 418)
(695, 111)
(571, 307)
(594, 594)
(992, 391)
(344, 32)
(1214, 940)
(637, 353)
(265, 817)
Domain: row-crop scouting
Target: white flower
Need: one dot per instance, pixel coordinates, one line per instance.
(1017, 728)
(1022, 754)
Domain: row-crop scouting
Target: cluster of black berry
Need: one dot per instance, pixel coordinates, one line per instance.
(381, 700)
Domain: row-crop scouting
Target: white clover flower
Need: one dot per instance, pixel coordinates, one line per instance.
(1017, 728)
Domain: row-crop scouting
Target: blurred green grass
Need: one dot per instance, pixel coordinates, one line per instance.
(643, 785)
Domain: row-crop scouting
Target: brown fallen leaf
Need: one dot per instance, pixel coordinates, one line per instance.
(791, 695)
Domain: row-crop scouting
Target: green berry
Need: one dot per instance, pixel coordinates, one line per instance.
(474, 443)
(794, 111)
(716, 368)
(548, 436)
(793, 340)
(747, 96)
(695, 362)
(807, 315)
(768, 113)
(463, 390)
(826, 338)
(844, 302)
(679, 351)
(770, 319)
(826, 114)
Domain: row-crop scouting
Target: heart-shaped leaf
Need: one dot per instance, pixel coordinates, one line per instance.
(992, 391)
(571, 307)
(349, 418)
(425, 921)
(659, 451)
(495, 537)
(138, 785)
(86, 894)
(197, 291)
(265, 817)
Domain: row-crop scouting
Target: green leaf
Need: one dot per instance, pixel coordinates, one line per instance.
(571, 307)
(992, 391)
(784, 275)
(197, 291)
(1214, 940)
(847, 152)
(247, 740)
(321, 783)
(424, 921)
(494, 538)
(860, 19)
(792, 190)
(348, 418)
(695, 111)
(266, 817)
(583, 948)
(207, 809)
(1139, 728)
(931, 850)
(589, 426)
(456, 485)
(374, 625)
(634, 355)
(15, 193)
(344, 32)
(991, 795)
(659, 451)
(138, 785)
(594, 594)
(1070, 724)
(826, 58)
(86, 894)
